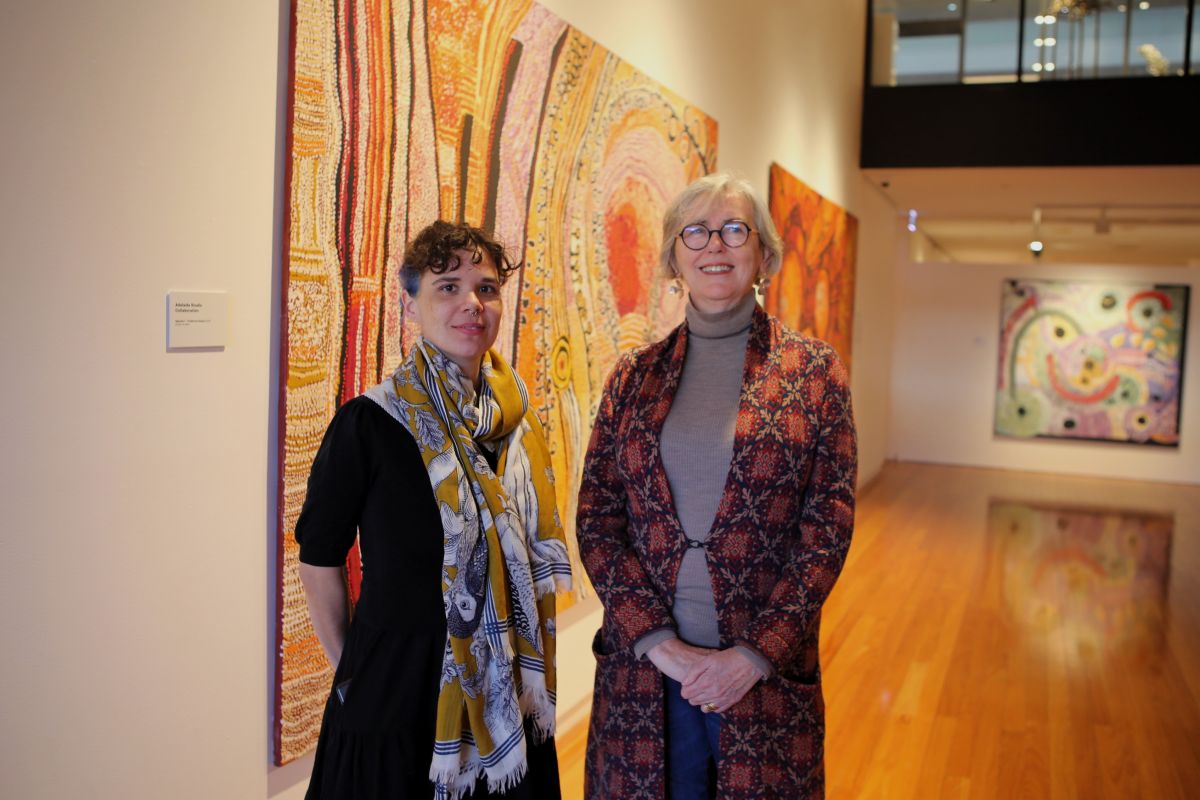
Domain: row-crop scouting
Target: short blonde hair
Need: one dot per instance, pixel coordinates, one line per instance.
(705, 190)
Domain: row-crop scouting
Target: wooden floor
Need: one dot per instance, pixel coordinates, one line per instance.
(1010, 635)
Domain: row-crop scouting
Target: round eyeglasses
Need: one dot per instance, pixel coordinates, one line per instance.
(697, 237)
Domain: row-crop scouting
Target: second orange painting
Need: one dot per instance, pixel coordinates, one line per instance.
(814, 291)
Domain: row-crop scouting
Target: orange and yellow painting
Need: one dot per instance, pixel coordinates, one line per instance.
(814, 291)
(500, 114)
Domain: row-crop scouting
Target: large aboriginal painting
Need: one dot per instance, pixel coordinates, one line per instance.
(1082, 360)
(1078, 579)
(814, 290)
(500, 114)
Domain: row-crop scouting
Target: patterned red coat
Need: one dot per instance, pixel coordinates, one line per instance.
(778, 543)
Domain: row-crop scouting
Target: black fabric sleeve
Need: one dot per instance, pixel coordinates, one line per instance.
(337, 488)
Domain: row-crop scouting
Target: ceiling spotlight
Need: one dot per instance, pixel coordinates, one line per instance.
(912, 220)
(1037, 66)
(1036, 247)
(952, 7)
(1144, 6)
(1039, 19)
(1122, 8)
(1050, 67)
(1049, 19)
(1038, 42)
(1051, 41)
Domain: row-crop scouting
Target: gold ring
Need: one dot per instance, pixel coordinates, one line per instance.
(708, 707)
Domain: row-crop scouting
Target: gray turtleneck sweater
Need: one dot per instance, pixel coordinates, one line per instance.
(697, 448)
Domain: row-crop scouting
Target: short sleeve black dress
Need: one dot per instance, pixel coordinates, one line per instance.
(368, 479)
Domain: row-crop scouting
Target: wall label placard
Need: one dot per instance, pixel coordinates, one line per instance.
(197, 319)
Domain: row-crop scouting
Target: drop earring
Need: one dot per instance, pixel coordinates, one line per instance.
(674, 287)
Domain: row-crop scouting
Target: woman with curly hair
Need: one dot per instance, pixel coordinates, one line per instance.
(445, 679)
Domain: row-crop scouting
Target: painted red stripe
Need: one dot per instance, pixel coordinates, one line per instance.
(1006, 336)
(1162, 298)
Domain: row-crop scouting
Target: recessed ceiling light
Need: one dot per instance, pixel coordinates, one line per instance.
(1051, 41)
(952, 6)
(1037, 67)
(1143, 5)
(1050, 67)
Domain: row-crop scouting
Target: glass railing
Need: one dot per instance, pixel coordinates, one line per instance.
(1002, 41)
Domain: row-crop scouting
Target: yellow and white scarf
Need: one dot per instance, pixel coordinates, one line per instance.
(505, 555)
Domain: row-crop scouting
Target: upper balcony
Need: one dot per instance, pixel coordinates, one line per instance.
(984, 83)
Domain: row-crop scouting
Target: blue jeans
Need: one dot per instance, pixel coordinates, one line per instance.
(692, 747)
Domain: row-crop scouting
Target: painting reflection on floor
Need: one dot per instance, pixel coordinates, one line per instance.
(1090, 580)
(1005, 634)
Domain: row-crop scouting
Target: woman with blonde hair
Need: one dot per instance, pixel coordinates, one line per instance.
(714, 517)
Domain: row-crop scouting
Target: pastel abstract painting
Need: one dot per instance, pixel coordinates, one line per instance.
(502, 115)
(1081, 580)
(1084, 360)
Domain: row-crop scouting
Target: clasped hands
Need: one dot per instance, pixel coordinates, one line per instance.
(715, 680)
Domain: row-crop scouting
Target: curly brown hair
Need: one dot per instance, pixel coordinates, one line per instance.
(435, 248)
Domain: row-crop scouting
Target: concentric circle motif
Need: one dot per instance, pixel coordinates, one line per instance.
(1019, 414)
(560, 363)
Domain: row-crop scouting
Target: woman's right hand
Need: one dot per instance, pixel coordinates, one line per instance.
(675, 658)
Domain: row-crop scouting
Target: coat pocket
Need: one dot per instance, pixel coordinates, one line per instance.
(772, 744)
(780, 704)
(599, 650)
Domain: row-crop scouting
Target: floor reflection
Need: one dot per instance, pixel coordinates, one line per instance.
(1091, 581)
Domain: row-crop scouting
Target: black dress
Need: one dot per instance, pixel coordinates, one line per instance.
(377, 737)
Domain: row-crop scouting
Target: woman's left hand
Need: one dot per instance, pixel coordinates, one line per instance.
(719, 680)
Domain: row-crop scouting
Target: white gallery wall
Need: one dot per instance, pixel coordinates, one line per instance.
(947, 330)
(142, 155)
